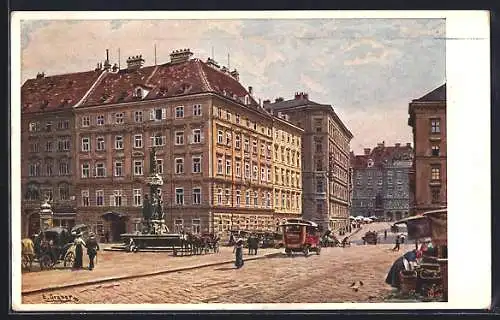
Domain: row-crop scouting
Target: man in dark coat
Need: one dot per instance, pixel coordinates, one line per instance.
(92, 248)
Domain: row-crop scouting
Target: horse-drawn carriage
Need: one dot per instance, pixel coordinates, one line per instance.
(370, 237)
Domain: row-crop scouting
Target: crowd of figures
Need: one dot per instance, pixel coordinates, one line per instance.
(191, 244)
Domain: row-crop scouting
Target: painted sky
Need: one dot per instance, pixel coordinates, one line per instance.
(368, 69)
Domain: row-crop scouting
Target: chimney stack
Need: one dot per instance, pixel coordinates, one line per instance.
(40, 75)
(398, 145)
(267, 101)
(182, 55)
(235, 74)
(279, 99)
(107, 65)
(408, 144)
(250, 90)
(367, 151)
(135, 62)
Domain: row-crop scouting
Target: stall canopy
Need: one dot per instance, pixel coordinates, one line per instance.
(431, 224)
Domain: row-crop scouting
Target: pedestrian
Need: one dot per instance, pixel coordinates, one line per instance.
(92, 248)
(385, 234)
(238, 249)
(256, 244)
(249, 244)
(106, 236)
(396, 247)
(79, 244)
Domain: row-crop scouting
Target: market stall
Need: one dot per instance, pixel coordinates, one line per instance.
(430, 275)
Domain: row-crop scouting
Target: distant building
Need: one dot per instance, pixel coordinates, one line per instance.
(381, 181)
(427, 117)
(325, 159)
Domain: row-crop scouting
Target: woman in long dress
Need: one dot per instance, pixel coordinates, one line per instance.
(238, 248)
(79, 244)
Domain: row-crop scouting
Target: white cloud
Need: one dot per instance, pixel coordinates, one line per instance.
(311, 84)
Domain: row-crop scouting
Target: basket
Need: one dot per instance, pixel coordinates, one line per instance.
(408, 281)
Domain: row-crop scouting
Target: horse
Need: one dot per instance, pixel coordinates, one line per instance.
(27, 253)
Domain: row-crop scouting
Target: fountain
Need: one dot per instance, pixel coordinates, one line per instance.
(154, 234)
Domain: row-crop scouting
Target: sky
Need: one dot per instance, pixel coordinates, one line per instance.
(367, 69)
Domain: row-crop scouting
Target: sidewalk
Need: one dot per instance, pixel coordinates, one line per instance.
(113, 265)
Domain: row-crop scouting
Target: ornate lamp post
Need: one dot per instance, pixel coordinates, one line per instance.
(46, 216)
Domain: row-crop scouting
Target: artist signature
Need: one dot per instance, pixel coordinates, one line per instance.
(57, 298)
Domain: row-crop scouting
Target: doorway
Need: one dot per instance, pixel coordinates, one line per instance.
(117, 228)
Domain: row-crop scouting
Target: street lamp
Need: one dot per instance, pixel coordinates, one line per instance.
(46, 216)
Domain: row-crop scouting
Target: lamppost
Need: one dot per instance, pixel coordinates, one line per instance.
(46, 216)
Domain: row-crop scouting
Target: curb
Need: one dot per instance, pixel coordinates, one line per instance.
(142, 275)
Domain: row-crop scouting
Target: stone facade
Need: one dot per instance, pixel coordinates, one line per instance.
(325, 159)
(381, 181)
(427, 117)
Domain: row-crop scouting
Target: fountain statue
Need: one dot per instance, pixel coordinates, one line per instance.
(152, 210)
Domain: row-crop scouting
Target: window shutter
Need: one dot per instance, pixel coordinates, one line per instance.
(111, 201)
(164, 113)
(152, 114)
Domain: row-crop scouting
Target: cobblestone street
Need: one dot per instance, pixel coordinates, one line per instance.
(276, 279)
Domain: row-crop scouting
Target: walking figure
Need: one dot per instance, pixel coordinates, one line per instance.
(92, 248)
(396, 247)
(238, 249)
(79, 244)
(385, 234)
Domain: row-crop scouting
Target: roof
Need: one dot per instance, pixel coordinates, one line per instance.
(59, 92)
(438, 94)
(381, 155)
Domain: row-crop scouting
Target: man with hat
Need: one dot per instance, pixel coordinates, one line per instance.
(92, 248)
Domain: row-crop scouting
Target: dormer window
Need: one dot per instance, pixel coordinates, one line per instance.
(138, 93)
(247, 100)
(370, 163)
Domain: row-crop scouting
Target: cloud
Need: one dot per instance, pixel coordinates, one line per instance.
(311, 84)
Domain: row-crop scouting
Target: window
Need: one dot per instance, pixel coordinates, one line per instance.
(158, 114)
(85, 170)
(276, 198)
(100, 146)
(228, 138)
(319, 165)
(268, 199)
(255, 199)
(49, 146)
(85, 198)
(119, 118)
(262, 174)
(178, 225)
(119, 168)
(319, 147)
(179, 165)
(197, 196)
(268, 174)
(247, 170)
(85, 121)
(100, 170)
(138, 117)
(48, 126)
(159, 166)
(196, 164)
(138, 141)
(100, 120)
(238, 169)
(255, 172)
(219, 196)
(228, 196)
(64, 192)
(137, 197)
(238, 142)
(197, 110)
(157, 140)
(435, 151)
(435, 126)
(64, 145)
(435, 173)
(435, 194)
(247, 145)
(179, 137)
(34, 147)
(238, 198)
(319, 186)
(118, 142)
(220, 169)
(138, 167)
(247, 198)
(228, 116)
(179, 196)
(99, 197)
(228, 167)
(179, 112)
(220, 135)
(262, 150)
(196, 226)
(33, 126)
(117, 198)
(238, 118)
(197, 136)
(63, 167)
(254, 147)
(86, 144)
(48, 167)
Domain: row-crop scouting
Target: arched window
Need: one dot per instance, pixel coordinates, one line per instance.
(32, 192)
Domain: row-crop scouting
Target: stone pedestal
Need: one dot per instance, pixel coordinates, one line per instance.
(46, 216)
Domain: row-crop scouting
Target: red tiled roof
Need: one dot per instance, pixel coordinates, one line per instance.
(57, 92)
(379, 155)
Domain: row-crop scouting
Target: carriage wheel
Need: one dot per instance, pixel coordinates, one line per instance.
(69, 259)
(45, 262)
(288, 252)
(306, 251)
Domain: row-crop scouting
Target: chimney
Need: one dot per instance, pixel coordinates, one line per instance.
(305, 96)
(212, 63)
(250, 90)
(267, 101)
(381, 144)
(224, 69)
(135, 62)
(107, 65)
(40, 75)
(398, 145)
(279, 99)
(235, 74)
(408, 144)
(182, 55)
(367, 151)
(297, 96)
